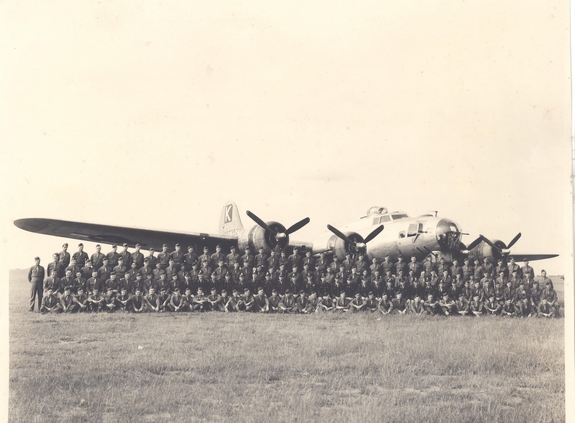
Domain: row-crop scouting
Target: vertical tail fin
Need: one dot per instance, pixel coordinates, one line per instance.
(230, 222)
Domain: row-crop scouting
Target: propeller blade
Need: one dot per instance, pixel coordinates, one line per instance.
(474, 243)
(514, 240)
(489, 242)
(297, 226)
(375, 233)
(340, 234)
(259, 221)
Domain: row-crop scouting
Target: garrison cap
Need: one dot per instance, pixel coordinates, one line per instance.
(138, 245)
(80, 245)
(98, 246)
(274, 290)
(152, 249)
(288, 291)
(36, 258)
(190, 247)
(213, 289)
(206, 248)
(80, 288)
(178, 244)
(112, 273)
(234, 291)
(65, 244)
(124, 245)
(218, 246)
(66, 288)
(525, 259)
(165, 246)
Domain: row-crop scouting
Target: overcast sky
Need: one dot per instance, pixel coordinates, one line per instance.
(154, 114)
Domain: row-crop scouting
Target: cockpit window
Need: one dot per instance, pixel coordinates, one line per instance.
(397, 216)
(381, 219)
(412, 229)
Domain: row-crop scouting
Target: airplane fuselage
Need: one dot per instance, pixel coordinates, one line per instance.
(402, 235)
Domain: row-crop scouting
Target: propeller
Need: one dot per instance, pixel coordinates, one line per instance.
(505, 249)
(279, 232)
(474, 243)
(357, 243)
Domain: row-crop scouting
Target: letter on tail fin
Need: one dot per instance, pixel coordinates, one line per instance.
(230, 222)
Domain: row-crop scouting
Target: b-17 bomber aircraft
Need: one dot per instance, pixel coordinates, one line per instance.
(377, 234)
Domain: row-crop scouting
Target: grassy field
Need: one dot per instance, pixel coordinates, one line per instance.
(219, 367)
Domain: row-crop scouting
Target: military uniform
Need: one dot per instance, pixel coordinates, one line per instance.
(138, 257)
(178, 257)
(67, 302)
(96, 301)
(190, 258)
(56, 267)
(126, 256)
(50, 304)
(164, 257)
(81, 258)
(80, 302)
(97, 260)
(113, 257)
(36, 276)
(65, 256)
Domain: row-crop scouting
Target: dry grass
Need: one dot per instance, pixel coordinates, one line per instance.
(242, 367)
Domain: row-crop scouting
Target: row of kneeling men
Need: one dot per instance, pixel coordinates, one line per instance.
(111, 301)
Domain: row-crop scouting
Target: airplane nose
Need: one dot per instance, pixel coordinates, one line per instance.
(448, 235)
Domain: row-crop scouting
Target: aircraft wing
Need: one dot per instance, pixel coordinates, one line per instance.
(532, 257)
(106, 234)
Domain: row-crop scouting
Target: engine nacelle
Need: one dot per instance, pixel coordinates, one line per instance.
(258, 237)
(483, 250)
(340, 248)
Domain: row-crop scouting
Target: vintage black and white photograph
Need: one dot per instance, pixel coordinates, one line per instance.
(253, 211)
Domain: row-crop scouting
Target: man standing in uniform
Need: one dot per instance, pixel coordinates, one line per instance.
(113, 257)
(105, 270)
(190, 258)
(514, 267)
(232, 258)
(56, 266)
(178, 256)
(414, 266)
(295, 259)
(126, 256)
(152, 259)
(36, 278)
(97, 258)
(164, 257)
(80, 256)
(65, 256)
(216, 257)
(138, 257)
